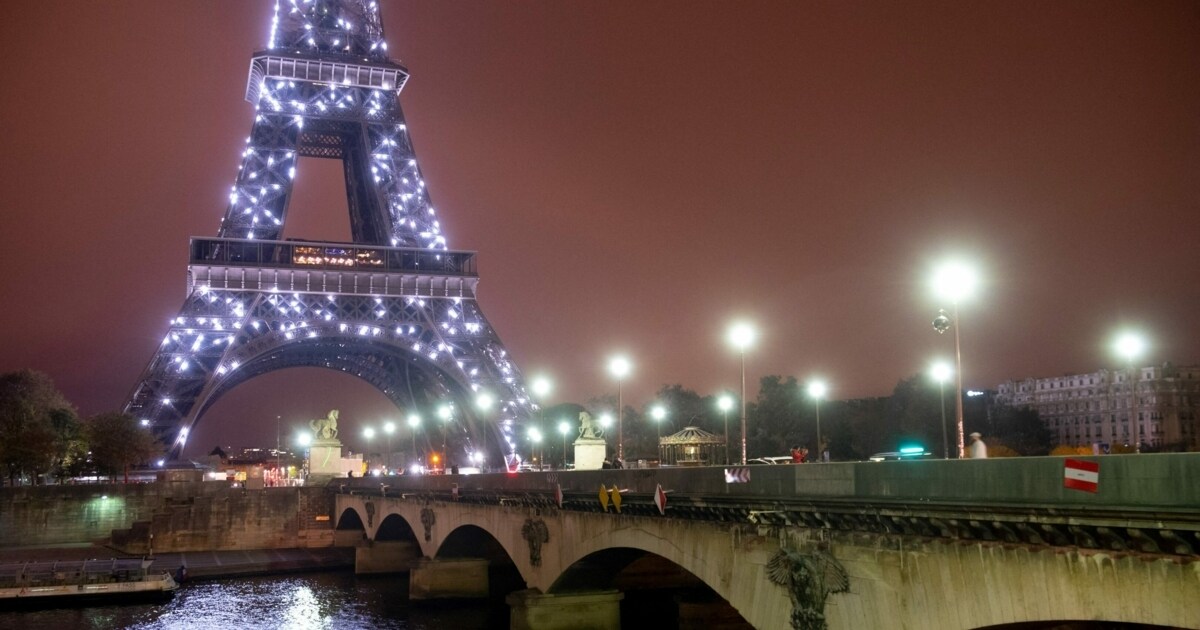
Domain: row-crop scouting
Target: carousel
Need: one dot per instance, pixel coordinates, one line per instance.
(692, 446)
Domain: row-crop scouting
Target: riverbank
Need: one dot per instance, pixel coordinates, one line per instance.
(201, 564)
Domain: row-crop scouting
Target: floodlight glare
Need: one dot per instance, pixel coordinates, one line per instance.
(955, 281)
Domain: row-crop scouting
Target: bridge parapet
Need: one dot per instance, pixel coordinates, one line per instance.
(1145, 503)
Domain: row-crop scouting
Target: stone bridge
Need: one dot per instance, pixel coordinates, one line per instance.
(935, 544)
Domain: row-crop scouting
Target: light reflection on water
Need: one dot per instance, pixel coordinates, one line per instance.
(315, 600)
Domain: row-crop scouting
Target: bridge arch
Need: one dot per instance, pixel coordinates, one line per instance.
(642, 577)
(394, 527)
(350, 519)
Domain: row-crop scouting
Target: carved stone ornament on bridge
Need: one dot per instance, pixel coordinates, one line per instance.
(809, 578)
(536, 534)
(370, 507)
(427, 521)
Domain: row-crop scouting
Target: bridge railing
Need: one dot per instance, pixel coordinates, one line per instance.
(1147, 482)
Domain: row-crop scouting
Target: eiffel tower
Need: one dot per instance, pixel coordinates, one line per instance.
(395, 307)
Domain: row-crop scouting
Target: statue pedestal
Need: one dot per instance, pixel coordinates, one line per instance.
(589, 453)
(325, 458)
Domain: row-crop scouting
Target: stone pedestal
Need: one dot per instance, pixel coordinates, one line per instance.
(392, 556)
(589, 453)
(450, 578)
(593, 610)
(325, 460)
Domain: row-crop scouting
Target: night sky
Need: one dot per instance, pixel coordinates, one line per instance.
(635, 175)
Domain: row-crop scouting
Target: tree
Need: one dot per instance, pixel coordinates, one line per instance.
(118, 442)
(1022, 430)
(776, 421)
(31, 408)
(914, 417)
(70, 444)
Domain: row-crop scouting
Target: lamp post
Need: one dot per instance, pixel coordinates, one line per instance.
(414, 422)
(304, 440)
(817, 390)
(742, 335)
(445, 413)
(658, 412)
(564, 428)
(619, 367)
(389, 428)
(1130, 346)
(541, 388)
(725, 403)
(368, 433)
(941, 373)
(535, 436)
(954, 281)
(606, 422)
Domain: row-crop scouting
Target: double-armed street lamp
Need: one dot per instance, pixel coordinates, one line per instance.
(742, 336)
(725, 403)
(817, 390)
(941, 372)
(955, 281)
(1130, 346)
(620, 367)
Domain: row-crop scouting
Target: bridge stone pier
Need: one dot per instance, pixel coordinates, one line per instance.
(935, 544)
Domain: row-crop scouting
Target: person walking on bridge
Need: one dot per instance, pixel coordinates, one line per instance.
(978, 448)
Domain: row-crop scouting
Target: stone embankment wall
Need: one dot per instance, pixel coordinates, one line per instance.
(181, 516)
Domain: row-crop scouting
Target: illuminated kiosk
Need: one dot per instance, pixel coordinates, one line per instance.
(590, 447)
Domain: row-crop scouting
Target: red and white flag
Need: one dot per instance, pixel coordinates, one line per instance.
(1083, 475)
(558, 495)
(660, 499)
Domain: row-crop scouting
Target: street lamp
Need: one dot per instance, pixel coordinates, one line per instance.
(941, 372)
(368, 433)
(725, 403)
(742, 336)
(1130, 346)
(304, 440)
(445, 413)
(620, 367)
(535, 436)
(389, 428)
(817, 390)
(564, 428)
(541, 389)
(414, 422)
(954, 281)
(658, 412)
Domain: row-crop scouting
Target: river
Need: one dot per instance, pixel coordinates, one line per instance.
(309, 600)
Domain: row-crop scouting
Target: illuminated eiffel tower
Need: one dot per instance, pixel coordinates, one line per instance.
(396, 307)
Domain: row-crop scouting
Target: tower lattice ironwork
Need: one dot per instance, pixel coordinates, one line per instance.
(396, 307)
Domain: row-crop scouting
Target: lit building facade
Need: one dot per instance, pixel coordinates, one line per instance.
(1095, 408)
